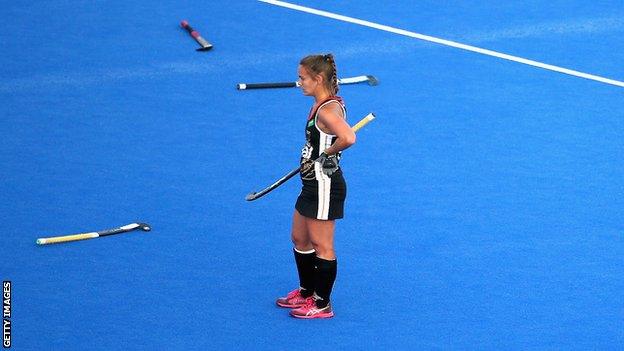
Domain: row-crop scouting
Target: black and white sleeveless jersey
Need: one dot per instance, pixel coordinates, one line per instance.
(317, 141)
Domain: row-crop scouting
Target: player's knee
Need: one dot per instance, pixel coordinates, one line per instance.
(300, 242)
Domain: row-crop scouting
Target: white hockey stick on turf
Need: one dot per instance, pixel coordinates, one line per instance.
(91, 235)
(371, 80)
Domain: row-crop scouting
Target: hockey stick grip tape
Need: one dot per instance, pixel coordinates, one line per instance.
(364, 121)
(66, 238)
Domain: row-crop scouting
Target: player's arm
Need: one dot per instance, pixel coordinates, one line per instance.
(331, 120)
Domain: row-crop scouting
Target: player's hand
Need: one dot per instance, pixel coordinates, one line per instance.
(329, 164)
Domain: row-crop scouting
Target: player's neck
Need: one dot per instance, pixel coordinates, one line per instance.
(321, 96)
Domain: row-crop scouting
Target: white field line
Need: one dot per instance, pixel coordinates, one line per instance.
(444, 42)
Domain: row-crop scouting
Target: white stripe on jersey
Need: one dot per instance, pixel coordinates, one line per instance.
(322, 180)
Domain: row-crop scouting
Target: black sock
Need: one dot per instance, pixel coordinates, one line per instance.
(325, 277)
(305, 267)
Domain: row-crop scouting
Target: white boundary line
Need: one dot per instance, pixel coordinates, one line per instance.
(444, 42)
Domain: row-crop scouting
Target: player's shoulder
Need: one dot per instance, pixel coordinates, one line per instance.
(332, 106)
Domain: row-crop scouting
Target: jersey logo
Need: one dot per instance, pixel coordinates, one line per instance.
(307, 170)
(306, 152)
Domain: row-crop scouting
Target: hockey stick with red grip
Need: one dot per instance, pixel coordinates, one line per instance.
(205, 45)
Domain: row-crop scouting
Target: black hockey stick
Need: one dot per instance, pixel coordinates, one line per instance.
(91, 235)
(371, 80)
(256, 195)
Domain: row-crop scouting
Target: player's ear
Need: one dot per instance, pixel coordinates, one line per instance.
(320, 79)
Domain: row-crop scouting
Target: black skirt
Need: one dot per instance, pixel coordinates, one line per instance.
(323, 198)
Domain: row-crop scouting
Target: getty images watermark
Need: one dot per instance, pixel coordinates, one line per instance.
(6, 314)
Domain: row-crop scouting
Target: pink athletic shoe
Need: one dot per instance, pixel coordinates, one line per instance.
(310, 311)
(293, 300)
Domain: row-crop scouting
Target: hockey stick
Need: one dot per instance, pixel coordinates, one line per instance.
(83, 236)
(256, 195)
(371, 80)
(205, 45)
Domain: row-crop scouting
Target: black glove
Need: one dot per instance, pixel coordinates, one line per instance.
(329, 164)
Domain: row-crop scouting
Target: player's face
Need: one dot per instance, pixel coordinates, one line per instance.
(308, 82)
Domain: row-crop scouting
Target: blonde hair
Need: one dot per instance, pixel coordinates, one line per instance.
(325, 66)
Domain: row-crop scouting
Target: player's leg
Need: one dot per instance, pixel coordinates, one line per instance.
(322, 237)
(305, 259)
(321, 234)
(305, 255)
(299, 233)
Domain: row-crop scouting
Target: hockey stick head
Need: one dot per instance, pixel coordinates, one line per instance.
(372, 80)
(251, 196)
(144, 227)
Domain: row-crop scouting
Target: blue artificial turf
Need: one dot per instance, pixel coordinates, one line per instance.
(484, 207)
